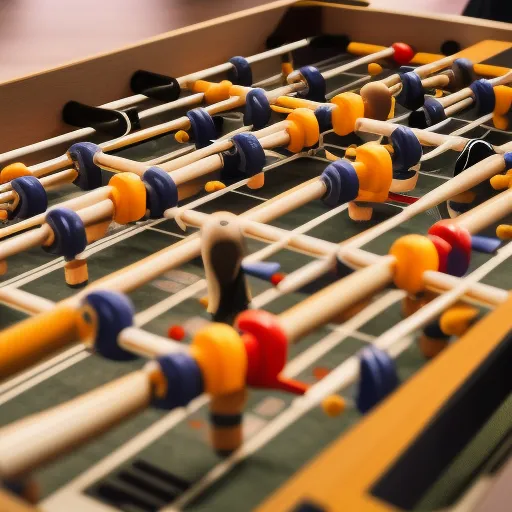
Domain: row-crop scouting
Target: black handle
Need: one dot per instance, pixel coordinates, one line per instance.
(112, 122)
(156, 86)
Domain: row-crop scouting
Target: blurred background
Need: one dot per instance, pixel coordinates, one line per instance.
(39, 34)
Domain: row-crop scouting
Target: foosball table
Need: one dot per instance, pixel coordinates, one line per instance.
(277, 282)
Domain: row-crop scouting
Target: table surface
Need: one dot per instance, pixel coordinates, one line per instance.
(37, 35)
(169, 450)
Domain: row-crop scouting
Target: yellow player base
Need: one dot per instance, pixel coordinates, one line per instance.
(76, 272)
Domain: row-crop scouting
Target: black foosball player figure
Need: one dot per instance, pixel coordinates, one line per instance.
(222, 250)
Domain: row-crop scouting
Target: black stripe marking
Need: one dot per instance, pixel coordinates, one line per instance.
(225, 420)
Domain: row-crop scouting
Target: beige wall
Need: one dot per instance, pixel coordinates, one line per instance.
(39, 34)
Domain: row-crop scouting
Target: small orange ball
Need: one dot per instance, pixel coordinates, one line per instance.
(374, 69)
(333, 405)
(181, 136)
(176, 332)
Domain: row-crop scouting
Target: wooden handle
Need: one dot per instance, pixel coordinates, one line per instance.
(501, 80)
(25, 301)
(487, 213)
(288, 201)
(197, 169)
(100, 211)
(44, 234)
(437, 81)
(395, 89)
(6, 197)
(194, 156)
(421, 71)
(51, 165)
(25, 241)
(459, 107)
(391, 80)
(144, 271)
(283, 91)
(180, 123)
(274, 140)
(464, 181)
(484, 294)
(455, 97)
(148, 345)
(426, 138)
(27, 444)
(260, 231)
(269, 130)
(31, 340)
(59, 178)
(119, 164)
(88, 199)
(360, 49)
(226, 421)
(432, 67)
(320, 308)
(222, 106)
